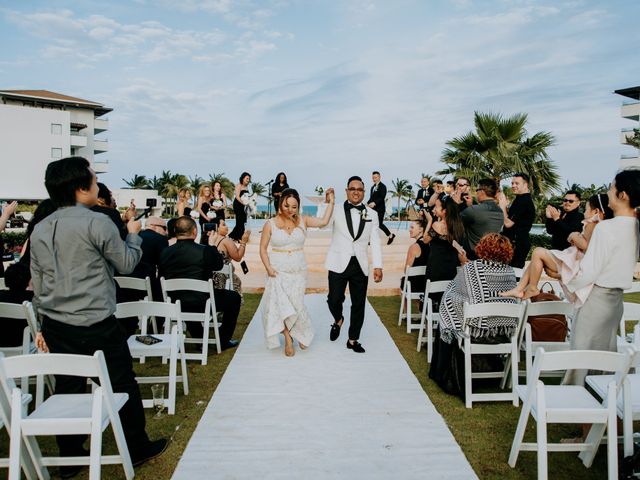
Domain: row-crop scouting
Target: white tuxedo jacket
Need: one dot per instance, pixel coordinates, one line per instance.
(343, 246)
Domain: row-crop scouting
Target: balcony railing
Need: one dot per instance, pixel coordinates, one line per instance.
(78, 141)
(101, 166)
(100, 125)
(630, 111)
(100, 146)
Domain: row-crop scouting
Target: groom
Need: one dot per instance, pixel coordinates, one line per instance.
(355, 226)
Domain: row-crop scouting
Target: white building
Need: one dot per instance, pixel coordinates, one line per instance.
(39, 126)
(630, 110)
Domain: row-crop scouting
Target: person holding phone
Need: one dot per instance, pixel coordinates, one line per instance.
(438, 189)
(229, 251)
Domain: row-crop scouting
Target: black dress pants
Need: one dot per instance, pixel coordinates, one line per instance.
(357, 281)
(227, 302)
(382, 226)
(520, 252)
(108, 336)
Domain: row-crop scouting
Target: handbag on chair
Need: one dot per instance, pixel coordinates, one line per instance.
(548, 328)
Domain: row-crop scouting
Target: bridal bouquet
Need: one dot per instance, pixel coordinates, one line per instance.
(319, 190)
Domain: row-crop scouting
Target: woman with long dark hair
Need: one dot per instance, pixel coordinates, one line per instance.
(279, 184)
(239, 206)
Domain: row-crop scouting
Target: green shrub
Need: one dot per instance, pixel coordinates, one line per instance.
(13, 239)
(539, 240)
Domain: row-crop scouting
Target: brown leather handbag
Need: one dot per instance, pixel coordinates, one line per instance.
(548, 328)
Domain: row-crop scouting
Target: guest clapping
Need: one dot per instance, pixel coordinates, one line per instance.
(229, 251)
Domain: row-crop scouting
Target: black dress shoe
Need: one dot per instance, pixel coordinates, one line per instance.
(392, 237)
(153, 449)
(230, 344)
(335, 332)
(355, 346)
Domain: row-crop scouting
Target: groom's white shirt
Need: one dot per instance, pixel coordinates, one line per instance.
(343, 247)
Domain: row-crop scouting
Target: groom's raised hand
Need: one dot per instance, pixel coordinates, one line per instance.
(377, 275)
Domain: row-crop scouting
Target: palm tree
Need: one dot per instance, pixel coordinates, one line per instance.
(258, 188)
(138, 181)
(500, 147)
(195, 183)
(402, 190)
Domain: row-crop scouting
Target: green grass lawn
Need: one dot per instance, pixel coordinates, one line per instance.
(484, 432)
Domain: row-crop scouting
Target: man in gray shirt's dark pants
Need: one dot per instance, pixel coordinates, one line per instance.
(74, 252)
(485, 217)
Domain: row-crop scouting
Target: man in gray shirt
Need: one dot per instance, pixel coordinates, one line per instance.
(485, 217)
(74, 252)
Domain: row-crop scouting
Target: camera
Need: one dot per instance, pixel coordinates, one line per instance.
(209, 227)
(152, 202)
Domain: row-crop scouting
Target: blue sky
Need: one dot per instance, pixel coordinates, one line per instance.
(327, 89)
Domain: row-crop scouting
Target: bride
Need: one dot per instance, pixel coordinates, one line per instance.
(283, 310)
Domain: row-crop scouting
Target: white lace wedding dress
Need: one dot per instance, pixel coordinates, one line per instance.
(283, 300)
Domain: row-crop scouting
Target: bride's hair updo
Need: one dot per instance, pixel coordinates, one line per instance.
(289, 193)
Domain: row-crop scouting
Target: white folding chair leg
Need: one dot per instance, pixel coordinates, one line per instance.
(429, 335)
(423, 317)
(183, 366)
(402, 300)
(408, 300)
(541, 434)
(15, 443)
(514, 370)
(519, 436)
(627, 418)
(95, 450)
(612, 433)
(173, 365)
(468, 373)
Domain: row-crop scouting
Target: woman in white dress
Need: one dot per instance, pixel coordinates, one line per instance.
(283, 310)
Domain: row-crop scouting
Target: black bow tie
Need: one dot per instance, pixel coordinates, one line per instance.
(358, 207)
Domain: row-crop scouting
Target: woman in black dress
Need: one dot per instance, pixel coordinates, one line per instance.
(203, 207)
(279, 185)
(219, 202)
(239, 206)
(417, 255)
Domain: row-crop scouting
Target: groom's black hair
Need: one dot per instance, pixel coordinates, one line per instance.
(355, 177)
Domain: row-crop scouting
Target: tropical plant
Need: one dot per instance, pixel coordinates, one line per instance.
(259, 189)
(500, 147)
(137, 181)
(635, 140)
(195, 183)
(401, 190)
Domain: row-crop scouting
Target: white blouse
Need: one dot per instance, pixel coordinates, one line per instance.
(611, 256)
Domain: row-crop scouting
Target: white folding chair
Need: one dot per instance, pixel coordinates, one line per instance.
(570, 404)
(227, 271)
(429, 317)
(2, 284)
(171, 346)
(208, 317)
(627, 404)
(470, 348)
(70, 414)
(407, 296)
(16, 311)
(544, 308)
(140, 285)
(630, 317)
(518, 272)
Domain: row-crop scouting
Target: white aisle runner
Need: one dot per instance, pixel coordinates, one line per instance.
(326, 413)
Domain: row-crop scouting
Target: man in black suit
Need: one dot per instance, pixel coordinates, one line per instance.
(376, 201)
(188, 259)
(560, 225)
(424, 193)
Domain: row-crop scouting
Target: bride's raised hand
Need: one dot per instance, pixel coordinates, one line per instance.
(330, 195)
